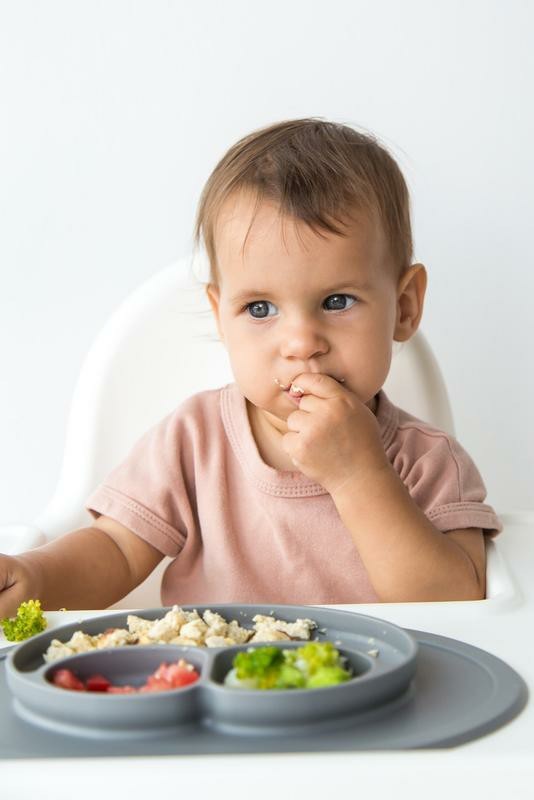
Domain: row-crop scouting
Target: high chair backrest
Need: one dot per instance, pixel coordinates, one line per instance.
(159, 347)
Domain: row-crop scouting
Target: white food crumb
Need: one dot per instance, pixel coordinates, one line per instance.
(270, 635)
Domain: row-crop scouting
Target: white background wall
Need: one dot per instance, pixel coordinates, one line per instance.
(114, 113)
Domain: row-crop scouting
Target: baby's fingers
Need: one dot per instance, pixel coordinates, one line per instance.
(13, 587)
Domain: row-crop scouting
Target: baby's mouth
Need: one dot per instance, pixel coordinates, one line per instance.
(296, 391)
(291, 389)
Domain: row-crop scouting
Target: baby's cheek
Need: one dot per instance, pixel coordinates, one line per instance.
(248, 371)
(381, 361)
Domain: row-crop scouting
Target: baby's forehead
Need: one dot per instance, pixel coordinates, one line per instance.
(262, 238)
(245, 225)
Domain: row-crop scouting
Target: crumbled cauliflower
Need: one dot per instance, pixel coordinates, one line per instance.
(190, 616)
(57, 650)
(218, 641)
(78, 643)
(194, 630)
(161, 631)
(184, 640)
(269, 634)
(81, 642)
(176, 617)
(301, 629)
(183, 628)
(238, 634)
(217, 625)
(116, 637)
(138, 625)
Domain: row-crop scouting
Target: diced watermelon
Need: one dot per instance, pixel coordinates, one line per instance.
(165, 678)
(180, 676)
(154, 684)
(122, 689)
(177, 675)
(66, 679)
(97, 683)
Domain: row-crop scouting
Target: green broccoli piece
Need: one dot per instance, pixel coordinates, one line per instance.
(321, 663)
(289, 677)
(314, 665)
(314, 655)
(262, 664)
(29, 621)
(327, 676)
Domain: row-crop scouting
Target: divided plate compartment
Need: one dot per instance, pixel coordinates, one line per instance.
(381, 656)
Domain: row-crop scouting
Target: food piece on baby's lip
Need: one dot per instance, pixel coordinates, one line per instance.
(281, 385)
(296, 390)
(292, 389)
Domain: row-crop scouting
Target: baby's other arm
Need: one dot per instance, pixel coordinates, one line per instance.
(88, 568)
(407, 558)
(335, 440)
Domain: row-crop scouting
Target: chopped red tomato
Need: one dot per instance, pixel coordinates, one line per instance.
(177, 674)
(165, 678)
(154, 684)
(121, 689)
(97, 683)
(66, 679)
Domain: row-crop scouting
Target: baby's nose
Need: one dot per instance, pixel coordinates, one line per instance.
(303, 342)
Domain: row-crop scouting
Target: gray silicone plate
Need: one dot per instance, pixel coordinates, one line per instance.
(439, 693)
(377, 680)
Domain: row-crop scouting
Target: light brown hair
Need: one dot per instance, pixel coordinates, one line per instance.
(315, 171)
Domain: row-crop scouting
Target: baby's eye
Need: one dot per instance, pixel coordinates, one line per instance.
(339, 301)
(258, 309)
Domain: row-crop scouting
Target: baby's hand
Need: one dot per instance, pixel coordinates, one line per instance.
(333, 437)
(17, 583)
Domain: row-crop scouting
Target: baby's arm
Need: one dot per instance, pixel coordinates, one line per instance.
(88, 568)
(335, 440)
(406, 557)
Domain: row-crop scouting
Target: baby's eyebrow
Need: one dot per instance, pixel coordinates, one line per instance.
(247, 294)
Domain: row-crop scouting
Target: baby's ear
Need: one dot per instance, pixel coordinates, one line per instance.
(213, 294)
(410, 300)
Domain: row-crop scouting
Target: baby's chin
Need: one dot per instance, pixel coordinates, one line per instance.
(271, 410)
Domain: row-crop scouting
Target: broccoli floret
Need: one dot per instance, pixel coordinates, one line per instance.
(314, 655)
(321, 664)
(266, 668)
(262, 664)
(327, 676)
(289, 677)
(314, 665)
(29, 621)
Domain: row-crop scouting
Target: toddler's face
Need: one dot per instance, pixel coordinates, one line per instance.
(297, 302)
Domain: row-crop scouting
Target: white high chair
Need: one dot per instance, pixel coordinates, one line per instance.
(159, 347)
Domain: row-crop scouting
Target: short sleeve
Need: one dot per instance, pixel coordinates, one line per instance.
(148, 491)
(443, 480)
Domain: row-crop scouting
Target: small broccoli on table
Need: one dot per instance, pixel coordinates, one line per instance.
(29, 621)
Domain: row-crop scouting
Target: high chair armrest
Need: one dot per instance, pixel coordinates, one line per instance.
(16, 538)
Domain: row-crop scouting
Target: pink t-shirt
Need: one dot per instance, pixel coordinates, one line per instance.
(196, 488)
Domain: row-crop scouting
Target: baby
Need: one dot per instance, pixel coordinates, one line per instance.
(300, 482)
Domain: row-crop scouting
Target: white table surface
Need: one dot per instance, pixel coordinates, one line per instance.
(500, 764)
